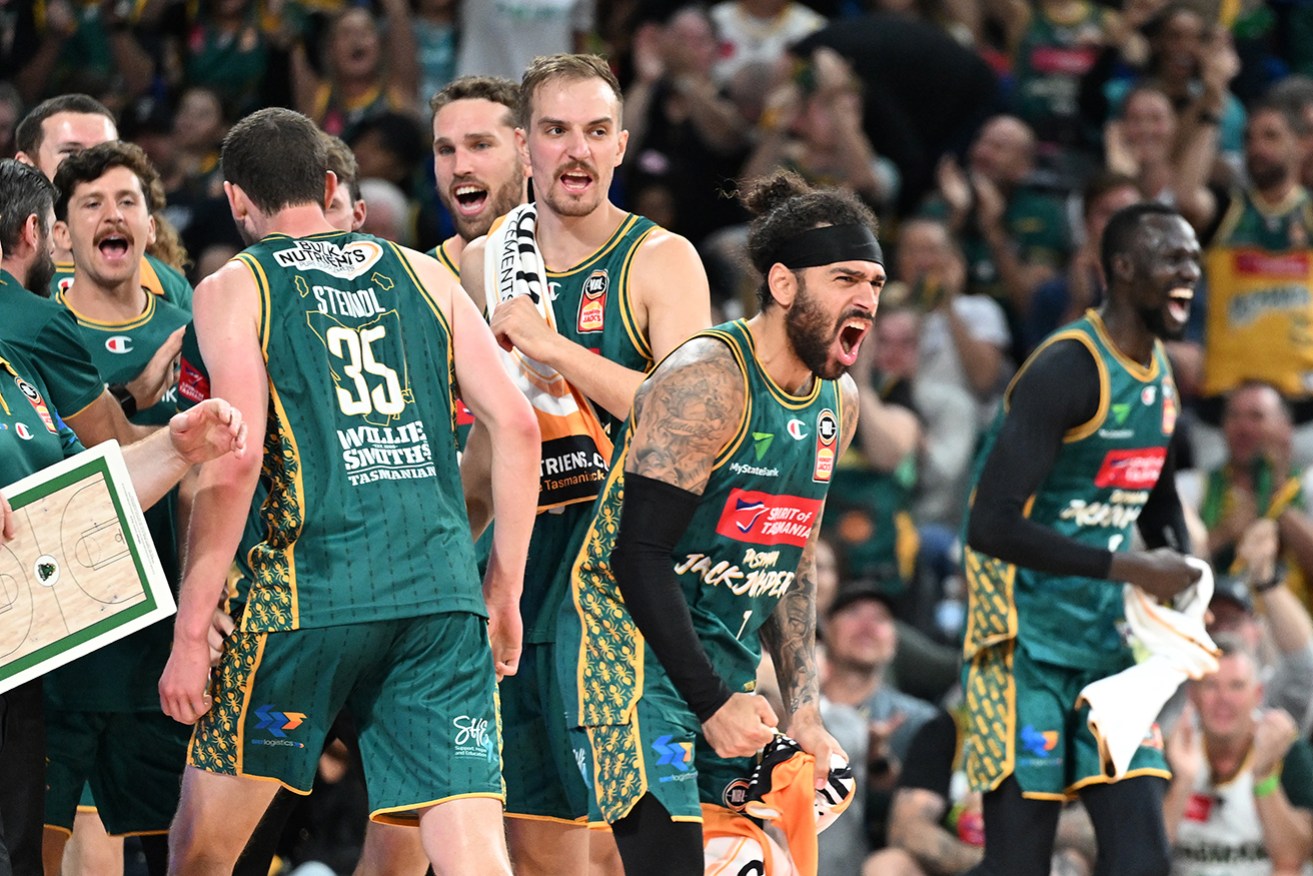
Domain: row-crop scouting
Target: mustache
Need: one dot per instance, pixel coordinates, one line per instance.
(576, 165)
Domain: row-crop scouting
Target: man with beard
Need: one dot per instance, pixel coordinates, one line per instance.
(480, 175)
(102, 712)
(624, 293)
(41, 328)
(702, 546)
(1258, 312)
(1077, 456)
(364, 593)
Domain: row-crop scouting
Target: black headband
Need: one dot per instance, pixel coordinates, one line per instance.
(830, 244)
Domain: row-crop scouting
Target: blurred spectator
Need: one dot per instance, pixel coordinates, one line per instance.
(237, 48)
(1257, 480)
(1183, 45)
(812, 124)
(389, 146)
(357, 79)
(387, 212)
(948, 418)
(1282, 637)
(873, 721)
(1014, 238)
(190, 171)
(965, 338)
(1259, 268)
(924, 93)
(868, 510)
(501, 38)
(11, 110)
(1241, 797)
(1295, 93)
(685, 137)
(1066, 297)
(435, 45)
(935, 823)
(758, 31)
(1057, 42)
(86, 46)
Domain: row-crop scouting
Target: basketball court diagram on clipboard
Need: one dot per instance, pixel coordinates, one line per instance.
(81, 570)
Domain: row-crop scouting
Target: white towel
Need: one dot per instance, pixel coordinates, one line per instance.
(571, 429)
(1123, 707)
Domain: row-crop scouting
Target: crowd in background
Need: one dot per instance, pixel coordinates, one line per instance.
(994, 138)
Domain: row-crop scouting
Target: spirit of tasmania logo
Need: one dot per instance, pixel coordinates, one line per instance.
(1136, 469)
(764, 518)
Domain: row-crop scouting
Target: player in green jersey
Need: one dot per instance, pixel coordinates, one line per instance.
(32, 437)
(701, 549)
(346, 350)
(624, 292)
(1079, 457)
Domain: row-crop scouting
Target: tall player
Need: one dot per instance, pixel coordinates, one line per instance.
(624, 293)
(701, 549)
(1078, 457)
(364, 592)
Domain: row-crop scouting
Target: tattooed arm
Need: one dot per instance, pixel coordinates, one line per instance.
(684, 415)
(790, 633)
(915, 826)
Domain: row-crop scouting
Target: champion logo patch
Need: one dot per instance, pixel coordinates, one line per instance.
(23, 432)
(119, 344)
(797, 429)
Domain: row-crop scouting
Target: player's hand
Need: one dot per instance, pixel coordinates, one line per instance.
(506, 635)
(1185, 748)
(809, 732)
(185, 684)
(160, 373)
(742, 726)
(8, 528)
(953, 185)
(517, 324)
(1161, 573)
(1274, 733)
(208, 431)
(221, 625)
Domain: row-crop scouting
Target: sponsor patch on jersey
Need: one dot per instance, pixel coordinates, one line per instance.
(119, 344)
(38, 404)
(346, 262)
(797, 429)
(1148, 394)
(193, 385)
(592, 304)
(1133, 469)
(1199, 807)
(765, 518)
(827, 436)
(464, 416)
(1169, 407)
(23, 432)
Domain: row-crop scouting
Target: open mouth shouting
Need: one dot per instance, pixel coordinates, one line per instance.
(469, 197)
(852, 331)
(576, 179)
(115, 248)
(1178, 303)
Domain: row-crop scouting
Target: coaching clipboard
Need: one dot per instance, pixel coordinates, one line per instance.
(81, 571)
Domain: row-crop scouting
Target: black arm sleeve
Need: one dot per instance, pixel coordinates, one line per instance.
(653, 518)
(1058, 390)
(1162, 522)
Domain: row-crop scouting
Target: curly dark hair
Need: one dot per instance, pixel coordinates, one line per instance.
(90, 165)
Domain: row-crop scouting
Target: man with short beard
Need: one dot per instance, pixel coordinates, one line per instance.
(479, 171)
(1258, 313)
(1077, 457)
(701, 550)
(624, 293)
(41, 327)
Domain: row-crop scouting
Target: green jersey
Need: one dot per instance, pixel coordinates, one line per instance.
(31, 434)
(123, 675)
(365, 517)
(1094, 493)
(739, 554)
(157, 277)
(47, 336)
(592, 308)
